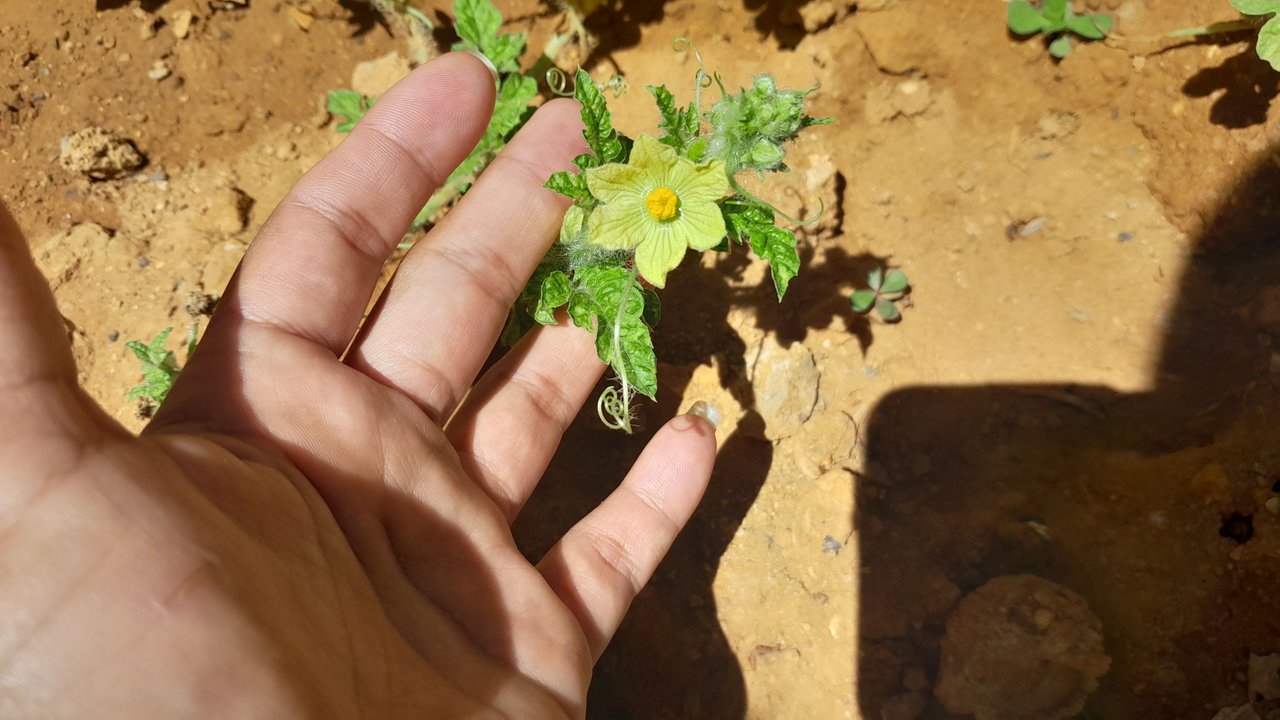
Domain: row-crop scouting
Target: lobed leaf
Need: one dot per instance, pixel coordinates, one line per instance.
(572, 185)
(679, 126)
(753, 223)
(778, 247)
(597, 122)
(348, 105)
(477, 22)
(602, 288)
(553, 294)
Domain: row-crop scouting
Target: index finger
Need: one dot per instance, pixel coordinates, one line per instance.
(315, 263)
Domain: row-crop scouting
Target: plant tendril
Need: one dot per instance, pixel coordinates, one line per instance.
(558, 82)
(822, 205)
(614, 403)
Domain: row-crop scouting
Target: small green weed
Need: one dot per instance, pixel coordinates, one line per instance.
(639, 205)
(478, 24)
(159, 369)
(885, 292)
(1057, 22)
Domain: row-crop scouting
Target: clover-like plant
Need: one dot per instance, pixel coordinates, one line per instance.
(159, 369)
(885, 292)
(1057, 22)
(639, 206)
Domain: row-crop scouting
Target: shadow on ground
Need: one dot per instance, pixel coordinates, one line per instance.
(671, 658)
(1134, 501)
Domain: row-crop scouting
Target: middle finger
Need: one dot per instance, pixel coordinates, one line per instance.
(444, 308)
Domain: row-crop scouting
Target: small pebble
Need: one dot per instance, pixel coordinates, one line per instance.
(830, 545)
(158, 176)
(1125, 236)
(113, 336)
(182, 23)
(1043, 618)
(159, 71)
(1273, 506)
(37, 97)
(1033, 226)
(144, 262)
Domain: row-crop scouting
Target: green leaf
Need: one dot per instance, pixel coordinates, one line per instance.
(1055, 12)
(1060, 47)
(477, 22)
(1025, 19)
(778, 247)
(504, 52)
(348, 105)
(554, 293)
(514, 96)
(863, 300)
(754, 223)
(572, 185)
(159, 368)
(597, 122)
(894, 282)
(1269, 43)
(582, 310)
(652, 308)
(1256, 7)
(875, 278)
(1093, 27)
(679, 126)
(888, 311)
(604, 287)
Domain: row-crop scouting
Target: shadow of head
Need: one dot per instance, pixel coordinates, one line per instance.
(1134, 501)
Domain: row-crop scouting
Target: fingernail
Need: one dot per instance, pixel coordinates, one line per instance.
(487, 62)
(706, 411)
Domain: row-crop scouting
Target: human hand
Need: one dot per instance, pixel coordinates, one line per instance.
(299, 532)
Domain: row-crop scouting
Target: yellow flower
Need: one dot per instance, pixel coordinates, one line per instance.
(659, 203)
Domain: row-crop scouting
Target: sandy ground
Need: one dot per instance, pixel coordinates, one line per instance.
(1082, 387)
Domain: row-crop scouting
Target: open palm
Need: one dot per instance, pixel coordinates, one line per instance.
(316, 523)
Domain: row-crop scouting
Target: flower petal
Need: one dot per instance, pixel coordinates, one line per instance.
(699, 182)
(654, 159)
(619, 225)
(658, 255)
(702, 225)
(614, 181)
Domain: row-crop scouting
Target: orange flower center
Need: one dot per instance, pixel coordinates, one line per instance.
(662, 203)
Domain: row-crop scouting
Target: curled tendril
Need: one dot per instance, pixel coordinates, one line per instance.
(618, 84)
(752, 199)
(558, 82)
(614, 410)
(685, 44)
